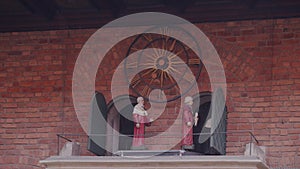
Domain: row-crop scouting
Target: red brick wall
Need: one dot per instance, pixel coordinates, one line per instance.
(261, 61)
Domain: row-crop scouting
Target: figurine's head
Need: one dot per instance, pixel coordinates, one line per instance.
(188, 100)
(140, 100)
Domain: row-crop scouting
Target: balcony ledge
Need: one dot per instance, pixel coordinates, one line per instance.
(179, 162)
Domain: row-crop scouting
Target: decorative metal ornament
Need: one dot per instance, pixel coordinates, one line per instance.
(160, 65)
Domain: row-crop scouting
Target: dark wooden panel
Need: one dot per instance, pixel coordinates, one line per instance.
(32, 15)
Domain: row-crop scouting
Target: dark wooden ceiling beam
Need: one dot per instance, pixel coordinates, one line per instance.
(88, 17)
(251, 4)
(27, 6)
(117, 7)
(95, 4)
(45, 8)
(180, 6)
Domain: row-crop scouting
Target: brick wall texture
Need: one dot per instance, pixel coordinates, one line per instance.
(262, 65)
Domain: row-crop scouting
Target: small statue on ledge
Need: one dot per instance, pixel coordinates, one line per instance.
(140, 118)
(188, 120)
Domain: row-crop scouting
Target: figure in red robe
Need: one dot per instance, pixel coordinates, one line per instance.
(188, 119)
(140, 118)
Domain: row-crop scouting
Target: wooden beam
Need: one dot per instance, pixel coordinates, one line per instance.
(117, 7)
(252, 4)
(180, 6)
(45, 8)
(89, 17)
(95, 4)
(27, 6)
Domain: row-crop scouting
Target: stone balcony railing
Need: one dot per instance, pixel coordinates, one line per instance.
(155, 162)
(254, 158)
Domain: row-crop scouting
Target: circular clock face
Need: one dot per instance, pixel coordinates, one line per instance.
(159, 67)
